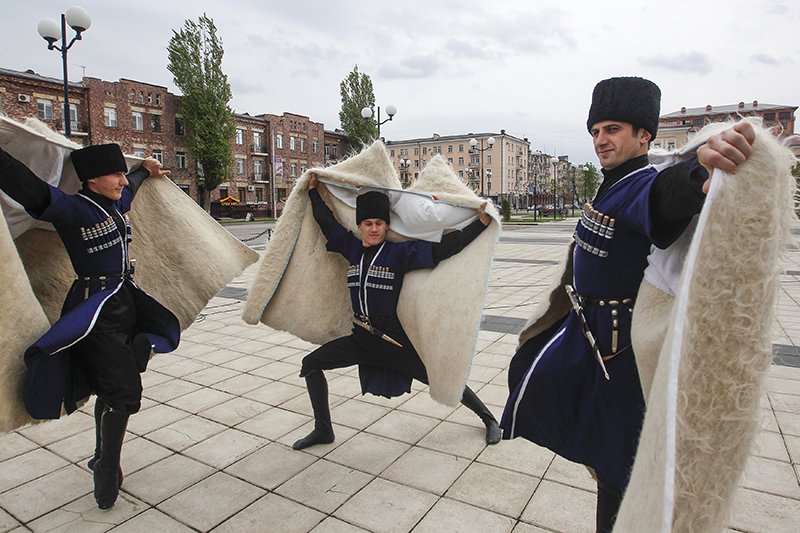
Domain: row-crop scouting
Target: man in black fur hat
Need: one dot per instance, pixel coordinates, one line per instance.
(108, 326)
(574, 387)
(378, 344)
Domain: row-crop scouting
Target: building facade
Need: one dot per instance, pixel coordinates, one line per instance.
(498, 170)
(676, 128)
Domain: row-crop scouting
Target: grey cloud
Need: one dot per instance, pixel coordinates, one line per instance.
(468, 49)
(690, 62)
(766, 59)
(412, 67)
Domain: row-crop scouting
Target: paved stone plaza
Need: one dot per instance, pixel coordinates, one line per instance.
(211, 448)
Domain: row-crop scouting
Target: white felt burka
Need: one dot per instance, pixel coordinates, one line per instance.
(301, 287)
(702, 406)
(184, 257)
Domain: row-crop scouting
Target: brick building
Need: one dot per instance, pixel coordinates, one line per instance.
(675, 129)
(269, 151)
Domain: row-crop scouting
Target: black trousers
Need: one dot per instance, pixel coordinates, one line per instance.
(363, 348)
(103, 362)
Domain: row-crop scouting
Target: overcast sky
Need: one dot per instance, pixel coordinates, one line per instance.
(450, 67)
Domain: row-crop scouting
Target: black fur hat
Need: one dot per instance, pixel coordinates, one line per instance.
(372, 204)
(98, 160)
(633, 100)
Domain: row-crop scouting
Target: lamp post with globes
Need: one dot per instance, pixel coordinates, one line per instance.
(50, 30)
(475, 150)
(405, 164)
(554, 160)
(391, 110)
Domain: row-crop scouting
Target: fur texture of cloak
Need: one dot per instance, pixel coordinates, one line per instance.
(300, 286)
(702, 381)
(184, 257)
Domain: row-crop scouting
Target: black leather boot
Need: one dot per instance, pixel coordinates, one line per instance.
(322, 433)
(99, 408)
(608, 502)
(474, 404)
(107, 468)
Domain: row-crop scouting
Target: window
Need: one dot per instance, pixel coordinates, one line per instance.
(239, 136)
(157, 154)
(416, 150)
(450, 161)
(259, 194)
(44, 109)
(158, 99)
(303, 168)
(449, 148)
(302, 145)
(461, 161)
(150, 98)
(180, 159)
(670, 145)
(223, 192)
(424, 150)
(240, 166)
(73, 117)
(257, 169)
(293, 169)
(488, 160)
(141, 97)
(460, 147)
(110, 117)
(138, 152)
(314, 146)
(257, 141)
(184, 188)
(784, 115)
(279, 141)
(333, 150)
(179, 129)
(138, 121)
(155, 123)
(292, 141)
(327, 150)
(769, 116)
(133, 96)
(391, 152)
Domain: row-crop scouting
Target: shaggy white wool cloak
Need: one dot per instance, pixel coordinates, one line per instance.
(184, 257)
(702, 409)
(300, 286)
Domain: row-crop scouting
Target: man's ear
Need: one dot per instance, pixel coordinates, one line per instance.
(646, 136)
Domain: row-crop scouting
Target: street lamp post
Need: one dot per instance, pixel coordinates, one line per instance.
(50, 30)
(391, 110)
(574, 188)
(475, 150)
(554, 160)
(582, 169)
(404, 166)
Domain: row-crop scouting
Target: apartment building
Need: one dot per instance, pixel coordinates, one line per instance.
(496, 167)
(676, 128)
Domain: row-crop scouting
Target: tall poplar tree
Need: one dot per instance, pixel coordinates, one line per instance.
(195, 60)
(357, 93)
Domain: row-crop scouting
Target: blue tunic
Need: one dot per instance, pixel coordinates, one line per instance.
(98, 251)
(559, 396)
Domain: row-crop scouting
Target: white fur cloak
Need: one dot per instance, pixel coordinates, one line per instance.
(184, 257)
(300, 286)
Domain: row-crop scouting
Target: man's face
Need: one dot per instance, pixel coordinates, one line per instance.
(373, 231)
(109, 185)
(615, 142)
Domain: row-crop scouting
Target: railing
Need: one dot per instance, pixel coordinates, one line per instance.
(258, 149)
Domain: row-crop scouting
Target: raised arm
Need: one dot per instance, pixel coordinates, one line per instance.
(322, 213)
(22, 185)
(150, 168)
(455, 241)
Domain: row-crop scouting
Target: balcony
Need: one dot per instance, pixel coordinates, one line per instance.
(259, 149)
(259, 178)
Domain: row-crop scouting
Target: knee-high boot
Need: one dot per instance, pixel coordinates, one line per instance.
(322, 433)
(608, 501)
(474, 404)
(100, 406)
(106, 469)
